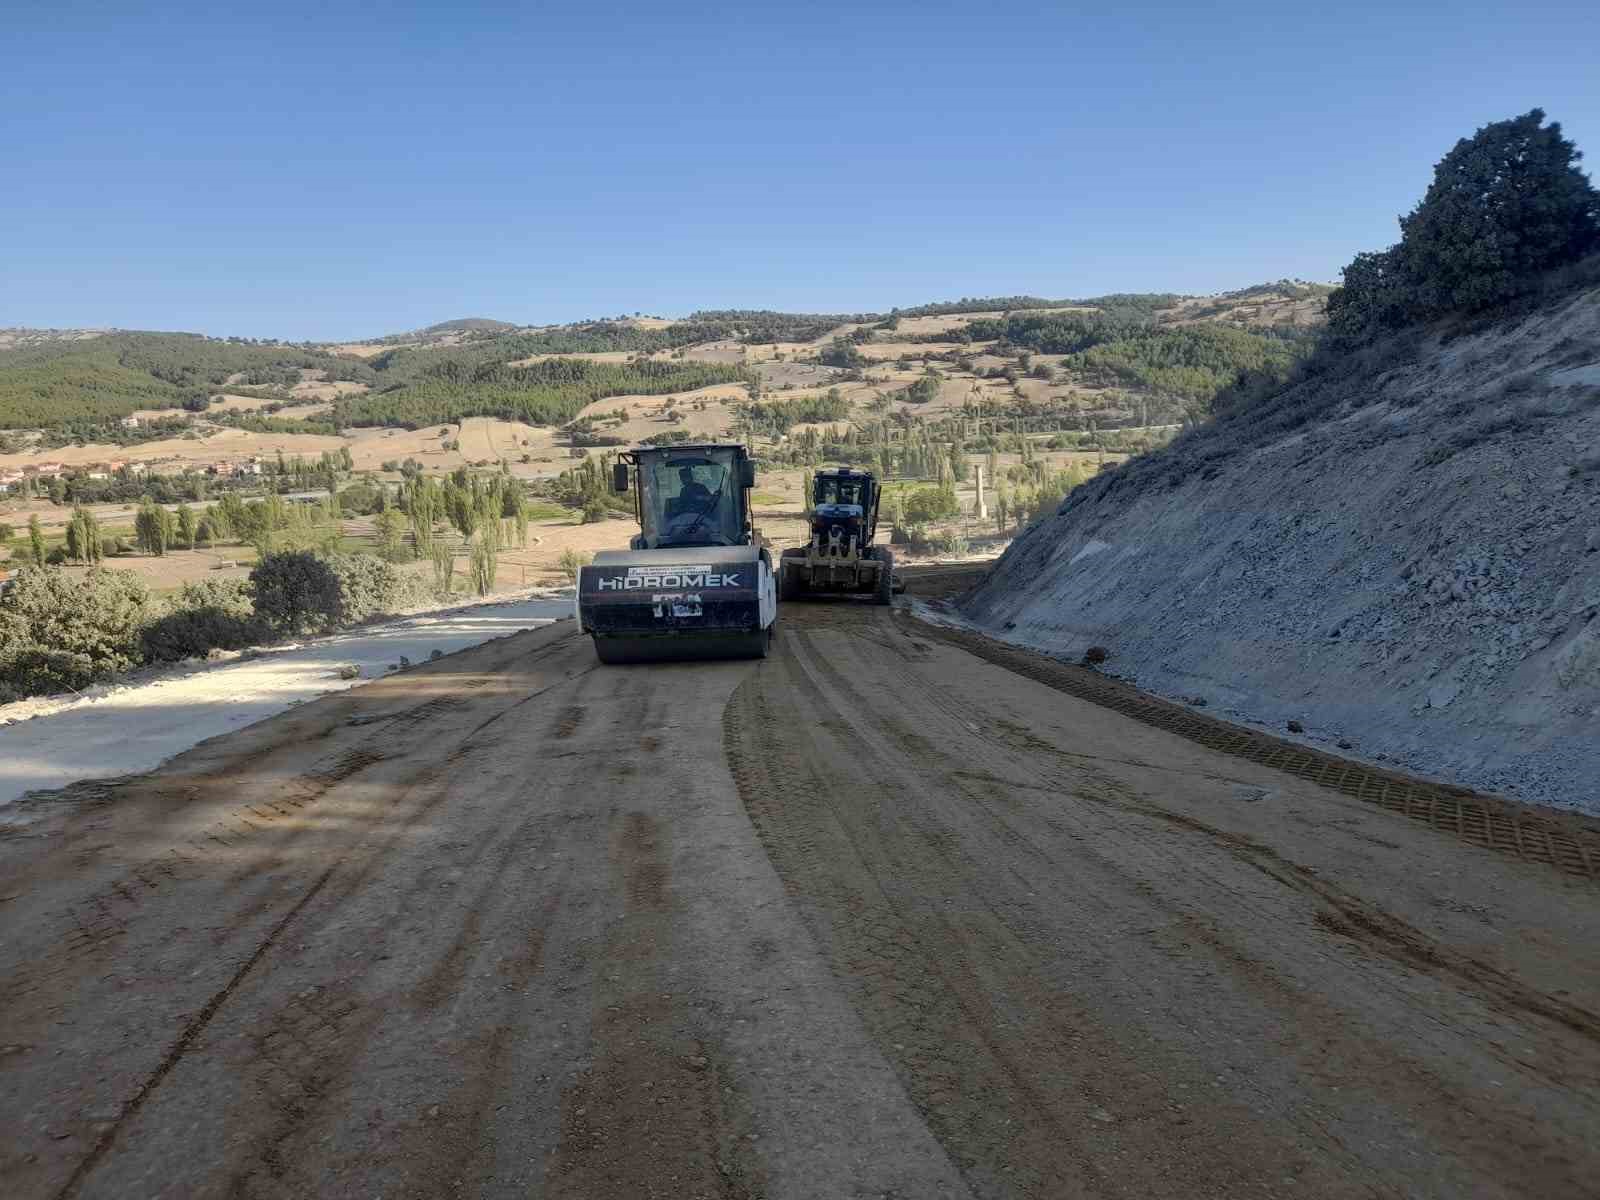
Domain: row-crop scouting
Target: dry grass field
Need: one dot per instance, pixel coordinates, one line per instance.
(175, 454)
(704, 413)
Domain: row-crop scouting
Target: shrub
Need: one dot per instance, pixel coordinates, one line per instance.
(571, 560)
(359, 500)
(923, 390)
(35, 671)
(367, 586)
(303, 591)
(413, 589)
(295, 591)
(214, 614)
(58, 631)
(947, 543)
(842, 353)
(6, 533)
(931, 504)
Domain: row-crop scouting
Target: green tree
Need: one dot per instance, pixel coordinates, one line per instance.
(83, 536)
(153, 527)
(227, 515)
(931, 504)
(186, 531)
(295, 591)
(484, 559)
(514, 507)
(36, 539)
(423, 504)
(444, 566)
(390, 531)
(1505, 205)
(6, 533)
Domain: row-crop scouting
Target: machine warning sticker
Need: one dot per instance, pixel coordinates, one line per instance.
(674, 569)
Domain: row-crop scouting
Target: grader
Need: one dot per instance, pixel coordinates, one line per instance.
(841, 557)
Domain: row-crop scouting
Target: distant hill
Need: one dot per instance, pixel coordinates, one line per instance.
(82, 386)
(21, 339)
(469, 325)
(1166, 350)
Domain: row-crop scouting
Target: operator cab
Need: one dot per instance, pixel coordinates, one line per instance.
(844, 506)
(689, 495)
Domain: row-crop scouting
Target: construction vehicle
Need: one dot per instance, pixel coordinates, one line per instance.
(697, 579)
(840, 558)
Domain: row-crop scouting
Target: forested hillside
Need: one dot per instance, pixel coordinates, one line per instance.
(81, 386)
(1194, 361)
(1160, 346)
(550, 392)
(1143, 301)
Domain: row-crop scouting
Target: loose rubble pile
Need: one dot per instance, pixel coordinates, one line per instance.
(1414, 574)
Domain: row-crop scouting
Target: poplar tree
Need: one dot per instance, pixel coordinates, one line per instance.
(186, 530)
(83, 536)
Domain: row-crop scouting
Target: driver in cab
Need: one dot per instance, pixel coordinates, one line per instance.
(692, 494)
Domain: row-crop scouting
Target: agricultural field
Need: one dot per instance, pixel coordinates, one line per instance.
(1041, 394)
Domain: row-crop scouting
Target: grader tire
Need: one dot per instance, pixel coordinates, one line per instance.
(885, 590)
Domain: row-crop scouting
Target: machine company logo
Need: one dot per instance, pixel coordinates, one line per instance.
(670, 577)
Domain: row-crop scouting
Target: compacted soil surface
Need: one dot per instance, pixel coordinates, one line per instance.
(885, 914)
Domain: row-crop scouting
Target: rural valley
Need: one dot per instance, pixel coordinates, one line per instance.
(1093, 744)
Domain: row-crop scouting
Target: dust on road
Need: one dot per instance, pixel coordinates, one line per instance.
(873, 917)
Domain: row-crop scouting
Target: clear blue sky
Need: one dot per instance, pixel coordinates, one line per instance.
(336, 170)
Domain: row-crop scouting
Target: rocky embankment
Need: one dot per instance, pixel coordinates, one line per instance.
(1403, 557)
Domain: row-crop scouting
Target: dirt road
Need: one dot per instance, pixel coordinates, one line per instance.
(873, 917)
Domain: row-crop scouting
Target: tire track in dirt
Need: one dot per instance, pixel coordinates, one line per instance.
(1567, 842)
(971, 1083)
(262, 846)
(843, 865)
(185, 1040)
(1453, 1112)
(1345, 914)
(658, 1113)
